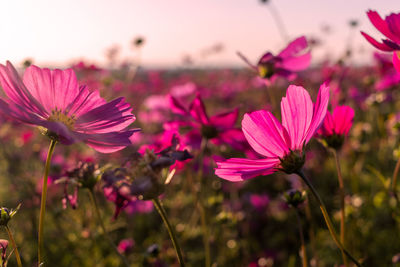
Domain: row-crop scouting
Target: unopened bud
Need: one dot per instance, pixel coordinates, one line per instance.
(295, 197)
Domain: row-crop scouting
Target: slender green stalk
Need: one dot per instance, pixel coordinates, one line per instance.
(17, 256)
(43, 200)
(103, 228)
(278, 21)
(327, 219)
(201, 207)
(157, 203)
(342, 206)
(303, 244)
(311, 232)
(394, 180)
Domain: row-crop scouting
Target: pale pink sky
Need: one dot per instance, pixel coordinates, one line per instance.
(57, 32)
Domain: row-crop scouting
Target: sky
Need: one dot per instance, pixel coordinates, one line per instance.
(58, 33)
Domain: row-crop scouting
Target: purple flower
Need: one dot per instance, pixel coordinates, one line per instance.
(54, 101)
(291, 59)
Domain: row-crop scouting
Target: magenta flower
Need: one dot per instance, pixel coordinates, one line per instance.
(282, 145)
(391, 29)
(126, 245)
(219, 129)
(290, 60)
(339, 122)
(54, 101)
(336, 126)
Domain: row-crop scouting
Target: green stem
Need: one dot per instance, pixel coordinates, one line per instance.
(103, 228)
(394, 180)
(327, 219)
(157, 203)
(43, 200)
(303, 244)
(17, 256)
(342, 206)
(201, 207)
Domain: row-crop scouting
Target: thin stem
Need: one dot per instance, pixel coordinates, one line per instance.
(201, 207)
(43, 200)
(327, 219)
(103, 228)
(394, 180)
(157, 203)
(342, 206)
(303, 245)
(279, 22)
(17, 256)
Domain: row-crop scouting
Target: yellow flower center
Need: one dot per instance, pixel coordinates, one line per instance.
(60, 116)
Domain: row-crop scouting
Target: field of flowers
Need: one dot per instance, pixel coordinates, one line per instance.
(278, 163)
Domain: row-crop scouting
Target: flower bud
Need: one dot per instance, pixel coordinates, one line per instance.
(295, 197)
(293, 162)
(4, 216)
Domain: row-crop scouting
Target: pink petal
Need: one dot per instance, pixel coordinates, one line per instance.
(382, 25)
(238, 169)
(295, 47)
(225, 120)
(319, 111)
(52, 88)
(176, 106)
(113, 116)
(19, 113)
(17, 92)
(108, 142)
(297, 113)
(343, 119)
(198, 111)
(393, 22)
(380, 46)
(297, 63)
(84, 102)
(327, 128)
(265, 134)
(396, 60)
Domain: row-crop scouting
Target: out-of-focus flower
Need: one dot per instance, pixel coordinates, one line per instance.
(6, 215)
(219, 129)
(65, 111)
(388, 76)
(3, 247)
(290, 60)
(390, 28)
(259, 202)
(169, 142)
(282, 145)
(295, 197)
(142, 180)
(85, 175)
(336, 126)
(125, 246)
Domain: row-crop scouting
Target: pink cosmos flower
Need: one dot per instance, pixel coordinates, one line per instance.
(391, 29)
(388, 76)
(339, 122)
(164, 141)
(282, 145)
(126, 245)
(336, 126)
(291, 59)
(54, 101)
(219, 129)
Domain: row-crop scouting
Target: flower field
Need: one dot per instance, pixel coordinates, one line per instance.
(285, 161)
